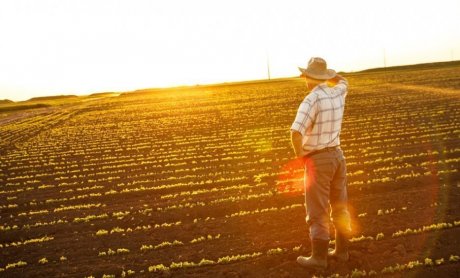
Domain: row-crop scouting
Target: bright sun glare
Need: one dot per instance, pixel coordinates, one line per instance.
(80, 47)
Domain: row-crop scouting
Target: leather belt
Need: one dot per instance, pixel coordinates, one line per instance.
(328, 149)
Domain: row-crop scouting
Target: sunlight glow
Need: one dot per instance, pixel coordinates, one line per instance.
(80, 47)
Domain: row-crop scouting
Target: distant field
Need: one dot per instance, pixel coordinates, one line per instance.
(198, 182)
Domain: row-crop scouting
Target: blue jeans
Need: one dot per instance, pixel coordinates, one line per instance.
(325, 185)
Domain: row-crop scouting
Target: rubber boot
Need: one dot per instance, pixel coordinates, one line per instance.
(340, 253)
(318, 258)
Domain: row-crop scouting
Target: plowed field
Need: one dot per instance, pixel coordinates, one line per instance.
(199, 181)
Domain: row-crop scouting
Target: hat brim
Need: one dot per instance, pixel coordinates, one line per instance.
(328, 75)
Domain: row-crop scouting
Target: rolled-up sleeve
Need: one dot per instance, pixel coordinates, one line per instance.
(306, 114)
(341, 87)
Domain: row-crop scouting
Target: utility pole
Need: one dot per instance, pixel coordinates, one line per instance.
(268, 66)
(384, 58)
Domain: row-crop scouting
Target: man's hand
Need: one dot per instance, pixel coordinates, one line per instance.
(301, 154)
(336, 79)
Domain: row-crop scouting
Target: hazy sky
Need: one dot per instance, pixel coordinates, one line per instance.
(80, 47)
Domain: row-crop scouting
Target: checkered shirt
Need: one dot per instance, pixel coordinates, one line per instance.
(319, 117)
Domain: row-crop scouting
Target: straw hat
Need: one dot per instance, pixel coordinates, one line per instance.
(317, 69)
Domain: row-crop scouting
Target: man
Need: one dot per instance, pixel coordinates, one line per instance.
(315, 139)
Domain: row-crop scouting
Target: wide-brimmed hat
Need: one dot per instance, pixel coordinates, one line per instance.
(317, 69)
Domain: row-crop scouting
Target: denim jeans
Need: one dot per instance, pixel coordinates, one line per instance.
(325, 185)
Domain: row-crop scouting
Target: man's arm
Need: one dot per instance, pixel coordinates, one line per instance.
(302, 122)
(296, 140)
(340, 84)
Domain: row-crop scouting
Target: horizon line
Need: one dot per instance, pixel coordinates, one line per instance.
(235, 82)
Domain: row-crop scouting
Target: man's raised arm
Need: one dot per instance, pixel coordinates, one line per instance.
(340, 84)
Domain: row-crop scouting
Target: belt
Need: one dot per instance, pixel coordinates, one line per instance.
(328, 149)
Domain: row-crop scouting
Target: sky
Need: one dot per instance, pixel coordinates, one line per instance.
(54, 47)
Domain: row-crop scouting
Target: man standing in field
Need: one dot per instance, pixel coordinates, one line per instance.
(315, 139)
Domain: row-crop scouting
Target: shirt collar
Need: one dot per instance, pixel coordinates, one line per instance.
(320, 86)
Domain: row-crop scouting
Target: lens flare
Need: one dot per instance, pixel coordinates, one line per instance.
(291, 177)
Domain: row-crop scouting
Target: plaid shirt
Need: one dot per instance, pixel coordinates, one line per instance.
(319, 117)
